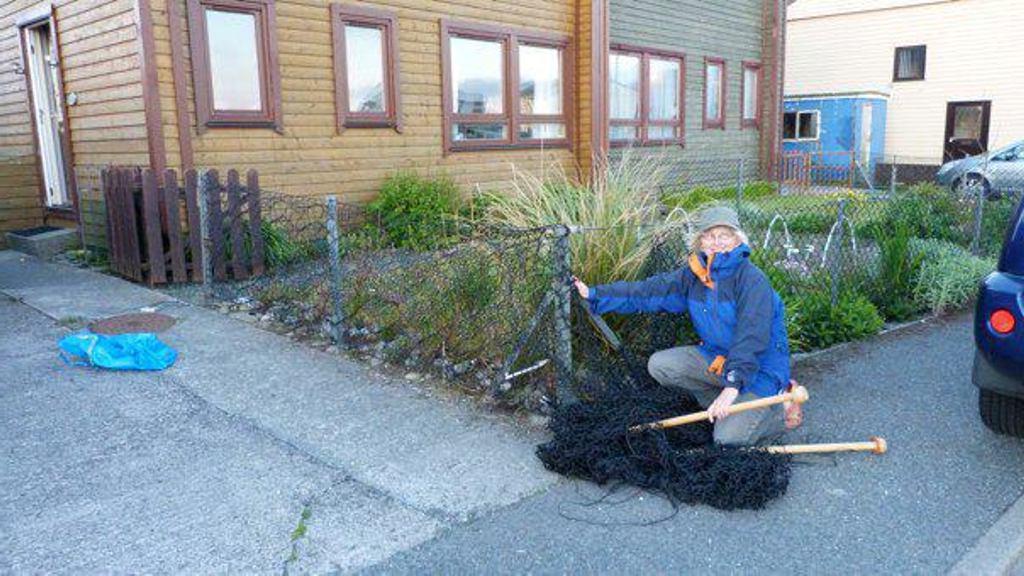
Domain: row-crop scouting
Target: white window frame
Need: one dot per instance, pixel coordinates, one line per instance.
(817, 125)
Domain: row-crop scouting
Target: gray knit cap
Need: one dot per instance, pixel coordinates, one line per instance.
(717, 216)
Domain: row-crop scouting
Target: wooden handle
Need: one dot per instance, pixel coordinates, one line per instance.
(798, 395)
(876, 445)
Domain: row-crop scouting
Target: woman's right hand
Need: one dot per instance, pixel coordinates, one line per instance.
(582, 288)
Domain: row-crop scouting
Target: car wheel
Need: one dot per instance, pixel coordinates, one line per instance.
(1002, 414)
(969, 185)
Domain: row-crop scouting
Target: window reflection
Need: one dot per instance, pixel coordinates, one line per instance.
(234, 61)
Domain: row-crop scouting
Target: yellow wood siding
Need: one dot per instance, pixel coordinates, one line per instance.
(970, 56)
(584, 90)
(100, 64)
(310, 157)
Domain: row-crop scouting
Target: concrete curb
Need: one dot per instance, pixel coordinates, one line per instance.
(1000, 550)
(800, 357)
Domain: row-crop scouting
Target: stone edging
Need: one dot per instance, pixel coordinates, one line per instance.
(801, 357)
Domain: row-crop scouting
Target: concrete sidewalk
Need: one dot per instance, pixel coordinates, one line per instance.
(378, 466)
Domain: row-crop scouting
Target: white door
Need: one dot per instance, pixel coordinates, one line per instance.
(44, 74)
(866, 113)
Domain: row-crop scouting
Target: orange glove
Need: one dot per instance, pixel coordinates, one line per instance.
(717, 365)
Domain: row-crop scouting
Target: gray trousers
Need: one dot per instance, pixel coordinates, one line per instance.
(685, 367)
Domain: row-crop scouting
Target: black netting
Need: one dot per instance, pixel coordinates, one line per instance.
(591, 442)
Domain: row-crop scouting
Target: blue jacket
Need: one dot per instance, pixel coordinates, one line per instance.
(741, 317)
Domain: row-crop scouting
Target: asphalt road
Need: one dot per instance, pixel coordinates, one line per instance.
(211, 466)
(917, 509)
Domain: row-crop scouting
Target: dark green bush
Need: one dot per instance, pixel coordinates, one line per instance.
(995, 219)
(416, 213)
(853, 317)
(280, 249)
(786, 285)
(892, 290)
(811, 222)
(759, 189)
(928, 211)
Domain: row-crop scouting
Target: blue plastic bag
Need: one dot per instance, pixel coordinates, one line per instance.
(137, 351)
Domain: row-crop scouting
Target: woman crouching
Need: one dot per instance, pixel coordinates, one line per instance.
(740, 319)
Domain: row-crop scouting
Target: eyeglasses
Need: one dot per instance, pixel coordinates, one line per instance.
(719, 236)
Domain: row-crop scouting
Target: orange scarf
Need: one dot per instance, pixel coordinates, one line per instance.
(703, 274)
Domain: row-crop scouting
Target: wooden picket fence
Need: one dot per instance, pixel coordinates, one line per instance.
(803, 169)
(153, 225)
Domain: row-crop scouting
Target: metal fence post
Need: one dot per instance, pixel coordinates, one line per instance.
(979, 210)
(892, 177)
(739, 184)
(334, 256)
(207, 181)
(837, 250)
(562, 311)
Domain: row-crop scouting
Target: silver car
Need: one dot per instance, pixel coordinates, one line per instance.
(995, 173)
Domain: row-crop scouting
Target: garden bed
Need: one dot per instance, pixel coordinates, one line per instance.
(459, 302)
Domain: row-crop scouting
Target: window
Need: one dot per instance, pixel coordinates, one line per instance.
(751, 104)
(504, 88)
(909, 63)
(645, 92)
(365, 68)
(802, 125)
(234, 57)
(714, 93)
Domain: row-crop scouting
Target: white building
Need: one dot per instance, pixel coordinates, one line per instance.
(952, 69)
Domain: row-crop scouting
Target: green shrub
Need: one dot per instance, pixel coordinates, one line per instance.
(995, 220)
(949, 275)
(364, 239)
(892, 290)
(416, 213)
(783, 283)
(810, 222)
(759, 189)
(822, 325)
(279, 247)
(696, 197)
(620, 203)
(929, 211)
(691, 199)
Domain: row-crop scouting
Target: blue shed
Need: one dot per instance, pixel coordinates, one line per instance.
(842, 136)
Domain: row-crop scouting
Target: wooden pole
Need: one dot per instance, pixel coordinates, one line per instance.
(798, 395)
(877, 445)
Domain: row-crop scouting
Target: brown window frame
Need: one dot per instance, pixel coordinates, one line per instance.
(644, 123)
(270, 81)
(341, 16)
(896, 63)
(755, 122)
(710, 123)
(511, 117)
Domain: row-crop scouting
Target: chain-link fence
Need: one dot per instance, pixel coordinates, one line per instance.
(489, 307)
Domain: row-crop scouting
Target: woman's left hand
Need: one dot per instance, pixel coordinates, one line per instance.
(720, 407)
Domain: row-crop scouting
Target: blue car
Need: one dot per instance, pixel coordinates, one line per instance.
(999, 336)
(995, 173)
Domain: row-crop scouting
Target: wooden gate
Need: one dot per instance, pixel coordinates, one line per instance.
(153, 225)
(805, 169)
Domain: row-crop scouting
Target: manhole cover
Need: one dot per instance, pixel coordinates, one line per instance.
(137, 322)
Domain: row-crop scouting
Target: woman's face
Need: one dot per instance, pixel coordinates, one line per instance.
(718, 239)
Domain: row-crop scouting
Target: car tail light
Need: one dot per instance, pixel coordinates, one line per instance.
(1002, 321)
